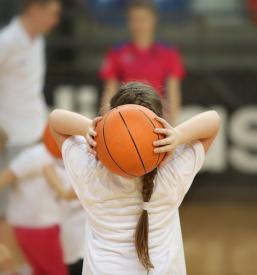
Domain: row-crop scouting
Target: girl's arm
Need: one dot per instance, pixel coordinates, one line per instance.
(203, 127)
(55, 183)
(7, 177)
(64, 124)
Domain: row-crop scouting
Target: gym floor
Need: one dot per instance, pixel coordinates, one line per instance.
(219, 239)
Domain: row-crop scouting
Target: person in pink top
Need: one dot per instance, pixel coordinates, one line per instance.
(144, 59)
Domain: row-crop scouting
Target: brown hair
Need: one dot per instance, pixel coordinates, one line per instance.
(143, 4)
(28, 3)
(144, 95)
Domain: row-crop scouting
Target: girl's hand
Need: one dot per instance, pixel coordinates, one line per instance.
(170, 142)
(90, 137)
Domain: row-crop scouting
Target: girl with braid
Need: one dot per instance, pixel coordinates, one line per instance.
(133, 225)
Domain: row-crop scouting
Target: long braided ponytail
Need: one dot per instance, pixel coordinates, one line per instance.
(141, 236)
(144, 95)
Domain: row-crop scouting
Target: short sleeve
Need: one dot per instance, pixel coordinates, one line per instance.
(31, 161)
(181, 170)
(174, 64)
(109, 68)
(78, 162)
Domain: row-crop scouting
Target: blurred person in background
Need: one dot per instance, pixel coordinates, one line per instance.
(144, 59)
(22, 69)
(33, 211)
(73, 217)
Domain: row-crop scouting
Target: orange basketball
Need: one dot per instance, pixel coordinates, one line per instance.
(51, 144)
(125, 139)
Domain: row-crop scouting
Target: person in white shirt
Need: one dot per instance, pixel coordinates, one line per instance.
(22, 70)
(33, 211)
(73, 217)
(132, 225)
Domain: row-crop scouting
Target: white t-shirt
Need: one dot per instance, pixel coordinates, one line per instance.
(22, 72)
(73, 218)
(32, 203)
(113, 205)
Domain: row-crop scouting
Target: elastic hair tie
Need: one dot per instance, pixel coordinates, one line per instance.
(146, 206)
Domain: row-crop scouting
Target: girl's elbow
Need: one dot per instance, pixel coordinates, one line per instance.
(55, 113)
(216, 120)
(54, 117)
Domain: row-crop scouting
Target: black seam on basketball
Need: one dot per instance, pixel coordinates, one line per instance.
(110, 153)
(133, 141)
(157, 162)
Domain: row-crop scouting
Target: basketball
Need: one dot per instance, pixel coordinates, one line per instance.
(50, 143)
(125, 139)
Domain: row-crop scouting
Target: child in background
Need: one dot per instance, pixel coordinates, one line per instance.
(132, 224)
(33, 211)
(73, 217)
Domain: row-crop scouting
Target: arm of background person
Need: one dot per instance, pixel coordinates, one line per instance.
(56, 184)
(3, 139)
(111, 87)
(109, 73)
(175, 73)
(174, 99)
(5, 256)
(7, 177)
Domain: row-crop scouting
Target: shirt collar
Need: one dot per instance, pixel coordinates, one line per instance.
(143, 51)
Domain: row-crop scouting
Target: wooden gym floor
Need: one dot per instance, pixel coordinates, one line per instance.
(219, 239)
